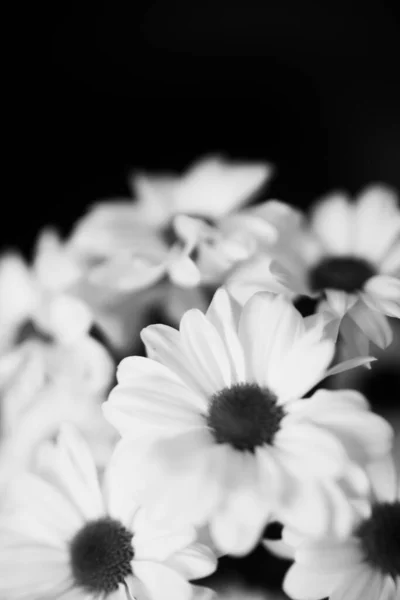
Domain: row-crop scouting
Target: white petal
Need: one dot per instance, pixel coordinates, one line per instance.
(151, 401)
(372, 323)
(365, 435)
(44, 514)
(238, 524)
(213, 187)
(124, 480)
(376, 223)
(164, 344)
(189, 469)
(304, 365)
(127, 272)
(257, 275)
(332, 220)
(363, 583)
(159, 542)
(18, 296)
(54, 266)
(340, 302)
(304, 583)
(183, 271)
(224, 314)
(157, 579)
(66, 317)
(194, 562)
(268, 327)
(206, 351)
(384, 479)
(391, 263)
(71, 465)
(314, 450)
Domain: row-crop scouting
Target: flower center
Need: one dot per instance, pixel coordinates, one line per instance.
(345, 273)
(101, 555)
(244, 416)
(29, 331)
(168, 232)
(380, 538)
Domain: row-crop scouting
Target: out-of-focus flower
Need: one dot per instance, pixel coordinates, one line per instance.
(51, 370)
(64, 536)
(366, 566)
(230, 440)
(37, 300)
(135, 244)
(46, 384)
(348, 256)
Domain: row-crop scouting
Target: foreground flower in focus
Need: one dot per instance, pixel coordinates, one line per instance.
(366, 566)
(231, 441)
(67, 538)
(135, 244)
(348, 257)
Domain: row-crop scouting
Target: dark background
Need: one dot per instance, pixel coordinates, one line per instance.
(313, 87)
(104, 87)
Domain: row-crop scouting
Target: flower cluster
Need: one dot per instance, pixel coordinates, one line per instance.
(222, 423)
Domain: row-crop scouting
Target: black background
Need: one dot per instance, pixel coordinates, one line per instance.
(105, 87)
(312, 87)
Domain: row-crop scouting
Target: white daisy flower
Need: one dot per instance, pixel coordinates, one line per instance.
(64, 536)
(138, 243)
(44, 384)
(231, 441)
(37, 300)
(348, 256)
(366, 566)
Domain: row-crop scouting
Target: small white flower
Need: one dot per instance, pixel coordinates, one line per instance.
(231, 440)
(366, 566)
(348, 256)
(138, 243)
(39, 299)
(44, 384)
(64, 536)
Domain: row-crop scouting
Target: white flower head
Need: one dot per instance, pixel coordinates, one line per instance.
(138, 243)
(66, 536)
(231, 441)
(44, 384)
(39, 298)
(348, 256)
(366, 565)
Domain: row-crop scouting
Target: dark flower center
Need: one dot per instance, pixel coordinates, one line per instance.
(345, 273)
(168, 232)
(101, 555)
(244, 416)
(380, 538)
(29, 331)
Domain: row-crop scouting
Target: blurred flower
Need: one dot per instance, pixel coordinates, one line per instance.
(43, 385)
(37, 301)
(366, 566)
(230, 441)
(66, 537)
(51, 370)
(132, 245)
(348, 257)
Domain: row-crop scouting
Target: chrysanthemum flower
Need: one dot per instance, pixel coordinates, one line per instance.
(231, 440)
(138, 243)
(65, 536)
(366, 566)
(348, 256)
(37, 300)
(51, 370)
(44, 385)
